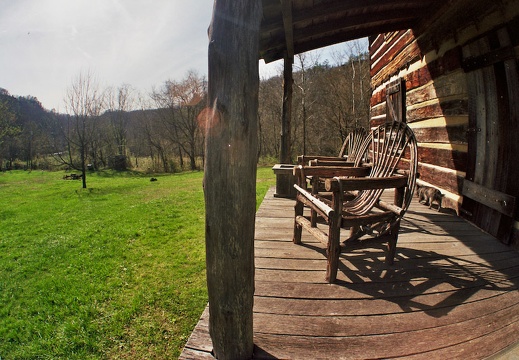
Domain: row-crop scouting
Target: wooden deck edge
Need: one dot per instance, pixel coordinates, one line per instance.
(509, 353)
(199, 345)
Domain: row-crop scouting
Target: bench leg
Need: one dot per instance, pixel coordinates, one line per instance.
(333, 250)
(393, 232)
(315, 191)
(298, 210)
(391, 244)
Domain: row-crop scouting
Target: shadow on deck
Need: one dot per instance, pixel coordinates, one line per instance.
(452, 293)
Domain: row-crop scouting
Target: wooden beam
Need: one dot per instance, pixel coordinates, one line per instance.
(494, 199)
(286, 10)
(271, 49)
(285, 155)
(324, 9)
(230, 174)
(365, 20)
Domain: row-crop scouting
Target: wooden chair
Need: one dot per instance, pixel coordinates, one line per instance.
(350, 151)
(347, 155)
(393, 152)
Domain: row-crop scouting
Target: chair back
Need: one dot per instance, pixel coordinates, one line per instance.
(353, 143)
(390, 147)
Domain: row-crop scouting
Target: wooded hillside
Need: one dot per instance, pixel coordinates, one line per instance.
(164, 132)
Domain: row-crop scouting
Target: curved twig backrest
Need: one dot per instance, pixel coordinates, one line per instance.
(387, 146)
(353, 143)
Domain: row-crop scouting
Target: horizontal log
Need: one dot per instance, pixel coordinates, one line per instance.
(316, 232)
(377, 121)
(494, 199)
(304, 159)
(390, 50)
(398, 211)
(446, 146)
(332, 171)
(315, 201)
(318, 162)
(431, 109)
(378, 97)
(381, 45)
(450, 134)
(348, 184)
(446, 180)
(395, 60)
(452, 84)
(449, 62)
(442, 121)
(307, 202)
(451, 159)
(472, 63)
(439, 108)
(376, 42)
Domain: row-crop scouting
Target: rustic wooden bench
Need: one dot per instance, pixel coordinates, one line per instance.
(352, 197)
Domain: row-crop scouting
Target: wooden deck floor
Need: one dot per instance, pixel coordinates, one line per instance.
(451, 294)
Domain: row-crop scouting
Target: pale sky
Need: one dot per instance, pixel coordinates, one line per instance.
(45, 44)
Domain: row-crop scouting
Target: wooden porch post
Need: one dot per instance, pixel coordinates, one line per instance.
(285, 156)
(230, 174)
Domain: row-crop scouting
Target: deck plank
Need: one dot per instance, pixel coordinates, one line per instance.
(453, 292)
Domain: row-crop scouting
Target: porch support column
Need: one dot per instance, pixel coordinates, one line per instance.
(230, 174)
(285, 155)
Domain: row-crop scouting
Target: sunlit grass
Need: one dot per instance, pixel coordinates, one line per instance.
(113, 271)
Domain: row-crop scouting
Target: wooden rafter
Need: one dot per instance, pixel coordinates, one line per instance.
(290, 27)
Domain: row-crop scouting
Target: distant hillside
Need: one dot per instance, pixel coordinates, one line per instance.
(25, 108)
(25, 125)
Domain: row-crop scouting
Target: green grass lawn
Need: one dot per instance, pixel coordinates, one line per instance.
(114, 271)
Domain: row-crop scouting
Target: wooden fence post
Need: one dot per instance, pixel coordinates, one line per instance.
(230, 174)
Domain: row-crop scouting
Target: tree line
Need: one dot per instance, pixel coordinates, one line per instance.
(119, 128)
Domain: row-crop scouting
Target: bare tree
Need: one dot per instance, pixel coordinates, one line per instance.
(269, 114)
(120, 102)
(84, 103)
(181, 102)
(305, 65)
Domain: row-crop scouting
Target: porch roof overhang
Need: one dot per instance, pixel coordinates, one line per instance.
(291, 27)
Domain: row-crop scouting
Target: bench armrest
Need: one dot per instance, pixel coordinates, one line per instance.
(348, 184)
(332, 171)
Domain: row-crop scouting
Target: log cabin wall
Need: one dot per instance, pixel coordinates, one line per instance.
(429, 62)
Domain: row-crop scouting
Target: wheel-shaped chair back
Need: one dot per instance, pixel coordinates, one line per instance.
(353, 144)
(390, 147)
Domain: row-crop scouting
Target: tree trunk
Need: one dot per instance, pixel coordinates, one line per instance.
(285, 156)
(180, 157)
(192, 155)
(230, 174)
(83, 167)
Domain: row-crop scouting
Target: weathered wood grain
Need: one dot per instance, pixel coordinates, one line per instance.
(394, 59)
(343, 326)
(451, 293)
(437, 134)
(230, 173)
(451, 159)
(381, 46)
(384, 345)
(446, 180)
(446, 67)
